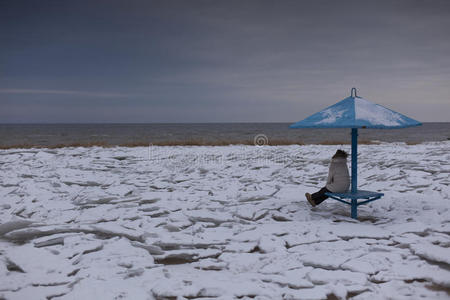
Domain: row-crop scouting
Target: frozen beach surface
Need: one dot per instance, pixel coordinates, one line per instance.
(221, 223)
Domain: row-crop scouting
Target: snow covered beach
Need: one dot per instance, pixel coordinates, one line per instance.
(221, 222)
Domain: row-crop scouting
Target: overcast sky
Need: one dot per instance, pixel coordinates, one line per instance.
(219, 61)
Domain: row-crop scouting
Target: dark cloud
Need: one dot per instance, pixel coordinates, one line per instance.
(205, 61)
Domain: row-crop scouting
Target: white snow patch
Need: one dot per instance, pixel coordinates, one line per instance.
(376, 114)
(330, 115)
(108, 223)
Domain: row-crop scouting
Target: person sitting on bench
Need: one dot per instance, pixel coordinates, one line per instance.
(338, 179)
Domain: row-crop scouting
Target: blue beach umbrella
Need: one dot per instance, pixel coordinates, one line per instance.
(355, 112)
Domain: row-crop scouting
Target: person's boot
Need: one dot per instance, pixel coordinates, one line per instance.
(310, 200)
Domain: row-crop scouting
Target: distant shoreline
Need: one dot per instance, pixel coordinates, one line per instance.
(188, 144)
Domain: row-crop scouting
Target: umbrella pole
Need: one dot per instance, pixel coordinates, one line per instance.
(354, 159)
(354, 170)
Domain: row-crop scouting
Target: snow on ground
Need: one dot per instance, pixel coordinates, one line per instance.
(221, 223)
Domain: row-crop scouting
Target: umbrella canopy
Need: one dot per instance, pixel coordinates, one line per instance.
(356, 112)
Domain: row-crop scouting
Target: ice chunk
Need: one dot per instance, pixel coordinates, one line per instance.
(271, 244)
(320, 276)
(432, 252)
(14, 225)
(210, 264)
(351, 230)
(152, 249)
(50, 242)
(315, 293)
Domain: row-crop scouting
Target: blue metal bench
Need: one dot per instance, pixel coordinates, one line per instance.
(354, 194)
(353, 197)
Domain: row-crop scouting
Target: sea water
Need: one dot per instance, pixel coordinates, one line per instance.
(56, 135)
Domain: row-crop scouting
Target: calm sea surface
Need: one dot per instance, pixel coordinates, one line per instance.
(54, 135)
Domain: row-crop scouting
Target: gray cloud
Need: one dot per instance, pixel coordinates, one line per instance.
(63, 92)
(204, 61)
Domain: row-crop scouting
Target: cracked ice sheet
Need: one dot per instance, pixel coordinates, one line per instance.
(236, 225)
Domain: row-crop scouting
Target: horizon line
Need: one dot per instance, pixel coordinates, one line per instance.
(138, 123)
